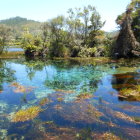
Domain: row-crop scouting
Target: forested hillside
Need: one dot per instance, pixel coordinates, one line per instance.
(19, 24)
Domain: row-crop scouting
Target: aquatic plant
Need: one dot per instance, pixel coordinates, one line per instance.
(83, 96)
(27, 114)
(65, 91)
(81, 112)
(60, 99)
(20, 88)
(123, 116)
(15, 84)
(131, 93)
(109, 136)
(44, 101)
(85, 134)
(91, 110)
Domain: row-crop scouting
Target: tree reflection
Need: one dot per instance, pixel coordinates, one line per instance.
(6, 74)
(125, 83)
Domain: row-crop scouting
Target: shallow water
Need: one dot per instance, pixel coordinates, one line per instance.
(14, 49)
(55, 87)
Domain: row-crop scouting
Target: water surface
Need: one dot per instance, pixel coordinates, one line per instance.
(55, 87)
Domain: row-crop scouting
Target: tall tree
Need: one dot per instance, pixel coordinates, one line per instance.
(127, 44)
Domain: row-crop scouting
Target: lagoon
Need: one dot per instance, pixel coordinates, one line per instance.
(69, 99)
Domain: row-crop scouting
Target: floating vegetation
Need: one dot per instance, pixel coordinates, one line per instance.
(15, 84)
(123, 116)
(65, 91)
(27, 114)
(93, 111)
(109, 136)
(44, 101)
(20, 88)
(85, 134)
(132, 94)
(60, 99)
(83, 96)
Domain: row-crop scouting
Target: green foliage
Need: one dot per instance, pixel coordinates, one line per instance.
(5, 33)
(31, 44)
(79, 34)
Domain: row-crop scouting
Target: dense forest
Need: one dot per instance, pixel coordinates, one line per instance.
(79, 34)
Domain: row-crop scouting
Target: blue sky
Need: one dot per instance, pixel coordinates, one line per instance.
(41, 10)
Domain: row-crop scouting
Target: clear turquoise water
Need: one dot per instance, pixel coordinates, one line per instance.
(104, 112)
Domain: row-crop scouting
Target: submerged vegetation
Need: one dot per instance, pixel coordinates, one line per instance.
(132, 93)
(27, 114)
(87, 106)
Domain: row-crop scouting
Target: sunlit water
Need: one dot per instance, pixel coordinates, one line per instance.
(66, 116)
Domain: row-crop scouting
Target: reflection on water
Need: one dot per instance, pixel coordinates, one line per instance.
(69, 99)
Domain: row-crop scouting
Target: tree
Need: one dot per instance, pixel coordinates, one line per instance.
(31, 44)
(136, 19)
(127, 44)
(5, 33)
(91, 20)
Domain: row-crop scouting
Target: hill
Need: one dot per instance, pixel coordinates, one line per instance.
(18, 24)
